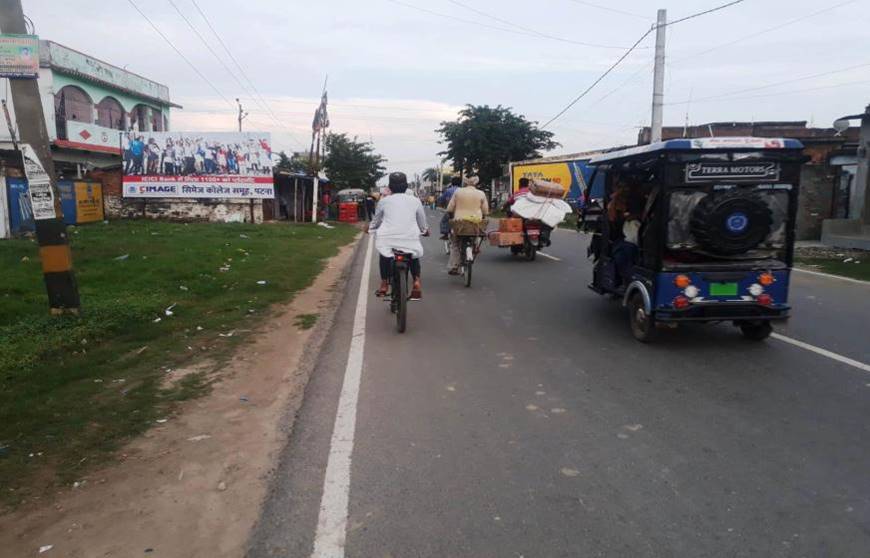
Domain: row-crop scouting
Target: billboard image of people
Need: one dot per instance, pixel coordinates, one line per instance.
(197, 164)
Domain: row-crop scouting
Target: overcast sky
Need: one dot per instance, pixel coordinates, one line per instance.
(399, 67)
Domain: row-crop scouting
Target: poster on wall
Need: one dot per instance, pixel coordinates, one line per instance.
(39, 185)
(19, 56)
(197, 165)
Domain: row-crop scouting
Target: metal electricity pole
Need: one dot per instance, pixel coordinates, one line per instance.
(242, 114)
(659, 77)
(54, 250)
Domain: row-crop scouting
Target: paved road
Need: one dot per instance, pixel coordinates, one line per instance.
(519, 418)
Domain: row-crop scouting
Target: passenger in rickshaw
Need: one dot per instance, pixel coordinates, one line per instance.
(624, 221)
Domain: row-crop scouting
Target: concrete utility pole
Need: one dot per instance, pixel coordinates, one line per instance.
(659, 77)
(242, 114)
(54, 250)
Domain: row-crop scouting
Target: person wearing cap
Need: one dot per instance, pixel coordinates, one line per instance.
(443, 200)
(467, 203)
(399, 221)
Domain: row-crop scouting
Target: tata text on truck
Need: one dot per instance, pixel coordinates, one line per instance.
(712, 221)
(572, 172)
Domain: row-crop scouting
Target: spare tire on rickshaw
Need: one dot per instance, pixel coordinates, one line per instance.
(731, 223)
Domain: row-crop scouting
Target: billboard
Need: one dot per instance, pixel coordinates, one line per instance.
(19, 56)
(197, 165)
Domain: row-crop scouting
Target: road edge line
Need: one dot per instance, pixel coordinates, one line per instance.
(824, 352)
(330, 537)
(831, 276)
(554, 258)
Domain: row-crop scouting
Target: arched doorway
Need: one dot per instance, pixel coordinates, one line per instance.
(110, 114)
(72, 103)
(139, 118)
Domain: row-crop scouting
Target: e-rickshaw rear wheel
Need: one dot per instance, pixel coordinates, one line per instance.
(643, 325)
(756, 331)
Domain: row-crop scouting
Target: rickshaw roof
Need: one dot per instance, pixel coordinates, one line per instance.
(698, 144)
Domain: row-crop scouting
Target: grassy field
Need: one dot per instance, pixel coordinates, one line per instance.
(155, 296)
(836, 266)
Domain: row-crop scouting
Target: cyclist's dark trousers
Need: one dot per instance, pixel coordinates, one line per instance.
(386, 267)
(445, 224)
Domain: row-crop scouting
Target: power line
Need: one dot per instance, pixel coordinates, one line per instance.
(625, 55)
(705, 12)
(793, 92)
(208, 46)
(503, 29)
(244, 74)
(766, 30)
(183, 57)
(527, 29)
(601, 77)
(769, 85)
(609, 9)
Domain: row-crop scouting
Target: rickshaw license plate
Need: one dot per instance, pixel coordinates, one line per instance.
(723, 289)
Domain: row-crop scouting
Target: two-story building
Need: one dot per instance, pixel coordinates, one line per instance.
(86, 103)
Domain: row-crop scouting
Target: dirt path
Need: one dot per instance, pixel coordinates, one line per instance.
(192, 486)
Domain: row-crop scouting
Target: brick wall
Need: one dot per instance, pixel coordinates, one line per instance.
(815, 200)
(118, 207)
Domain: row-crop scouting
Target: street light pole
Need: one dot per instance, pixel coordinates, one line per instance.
(242, 113)
(54, 250)
(659, 78)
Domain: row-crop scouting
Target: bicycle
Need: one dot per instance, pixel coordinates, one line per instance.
(470, 237)
(469, 246)
(399, 288)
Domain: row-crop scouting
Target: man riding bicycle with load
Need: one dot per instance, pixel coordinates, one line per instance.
(399, 221)
(467, 203)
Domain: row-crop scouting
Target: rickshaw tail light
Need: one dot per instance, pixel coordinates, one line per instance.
(681, 302)
(766, 279)
(682, 281)
(764, 299)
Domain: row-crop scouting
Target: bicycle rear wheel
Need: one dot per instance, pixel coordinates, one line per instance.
(402, 300)
(468, 256)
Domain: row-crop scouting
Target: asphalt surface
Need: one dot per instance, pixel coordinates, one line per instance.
(520, 418)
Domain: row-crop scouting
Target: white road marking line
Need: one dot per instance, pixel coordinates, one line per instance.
(329, 541)
(830, 276)
(824, 352)
(554, 258)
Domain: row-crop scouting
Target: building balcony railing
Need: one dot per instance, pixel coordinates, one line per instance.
(87, 137)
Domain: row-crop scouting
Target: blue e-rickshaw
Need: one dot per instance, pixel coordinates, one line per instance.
(697, 230)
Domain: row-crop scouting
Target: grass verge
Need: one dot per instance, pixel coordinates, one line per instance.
(305, 321)
(836, 266)
(156, 296)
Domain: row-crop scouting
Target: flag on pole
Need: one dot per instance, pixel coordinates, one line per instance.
(321, 117)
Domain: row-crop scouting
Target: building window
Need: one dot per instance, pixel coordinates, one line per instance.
(138, 118)
(72, 103)
(156, 120)
(110, 114)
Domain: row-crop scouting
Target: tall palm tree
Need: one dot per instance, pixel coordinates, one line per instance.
(431, 175)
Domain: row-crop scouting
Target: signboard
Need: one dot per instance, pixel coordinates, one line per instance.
(572, 175)
(738, 142)
(19, 56)
(39, 185)
(197, 165)
(753, 172)
(91, 137)
(89, 202)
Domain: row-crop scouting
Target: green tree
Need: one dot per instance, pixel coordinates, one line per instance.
(299, 162)
(351, 163)
(430, 175)
(483, 139)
